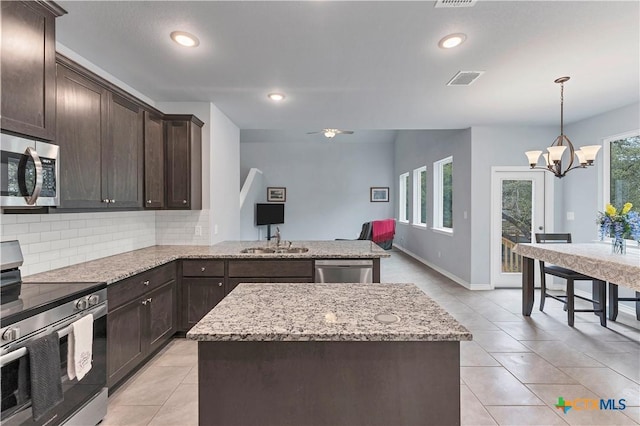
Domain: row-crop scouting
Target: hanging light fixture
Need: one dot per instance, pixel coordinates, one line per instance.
(553, 157)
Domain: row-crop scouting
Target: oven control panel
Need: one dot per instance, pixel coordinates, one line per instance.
(87, 302)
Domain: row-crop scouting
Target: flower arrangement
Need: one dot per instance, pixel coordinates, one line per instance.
(620, 224)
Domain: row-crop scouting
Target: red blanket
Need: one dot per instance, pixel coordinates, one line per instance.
(383, 230)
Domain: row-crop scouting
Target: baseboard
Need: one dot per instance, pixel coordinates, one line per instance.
(444, 272)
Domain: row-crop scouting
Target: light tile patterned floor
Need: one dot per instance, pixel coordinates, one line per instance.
(512, 373)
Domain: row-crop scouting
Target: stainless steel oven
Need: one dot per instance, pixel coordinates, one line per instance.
(85, 400)
(29, 172)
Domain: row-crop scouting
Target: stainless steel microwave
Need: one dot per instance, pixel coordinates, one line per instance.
(29, 172)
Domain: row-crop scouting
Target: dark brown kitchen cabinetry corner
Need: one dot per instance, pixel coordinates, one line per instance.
(154, 193)
(142, 317)
(203, 287)
(28, 67)
(183, 162)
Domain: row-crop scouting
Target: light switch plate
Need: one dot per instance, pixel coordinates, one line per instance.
(571, 216)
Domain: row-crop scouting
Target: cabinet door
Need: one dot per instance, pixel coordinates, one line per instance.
(81, 128)
(199, 296)
(178, 167)
(125, 349)
(123, 155)
(161, 306)
(28, 69)
(153, 161)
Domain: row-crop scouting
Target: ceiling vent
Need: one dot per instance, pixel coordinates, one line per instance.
(464, 78)
(455, 3)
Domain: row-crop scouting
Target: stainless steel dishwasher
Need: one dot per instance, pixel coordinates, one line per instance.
(344, 271)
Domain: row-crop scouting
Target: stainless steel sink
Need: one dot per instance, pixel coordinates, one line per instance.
(257, 250)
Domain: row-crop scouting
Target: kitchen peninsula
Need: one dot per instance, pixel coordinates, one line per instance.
(328, 354)
(156, 292)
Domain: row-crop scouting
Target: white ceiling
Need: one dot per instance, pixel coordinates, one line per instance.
(368, 65)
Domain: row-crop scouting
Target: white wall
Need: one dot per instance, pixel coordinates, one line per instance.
(220, 177)
(327, 185)
(256, 193)
(450, 254)
(496, 146)
(224, 161)
(51, 241)
(583, 188)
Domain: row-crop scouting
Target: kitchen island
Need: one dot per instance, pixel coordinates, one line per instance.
(328, 354)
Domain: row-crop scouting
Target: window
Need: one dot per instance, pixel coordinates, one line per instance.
(403, 199)
(622, 179)
(420, 196)
(443, 194)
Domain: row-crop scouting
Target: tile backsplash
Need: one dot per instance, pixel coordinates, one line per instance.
(182, 227)
(51, 241)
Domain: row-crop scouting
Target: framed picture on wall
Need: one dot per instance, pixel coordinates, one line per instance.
(379, 194)
(276, 194)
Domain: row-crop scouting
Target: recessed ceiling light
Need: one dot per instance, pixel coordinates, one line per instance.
(185, 39)
(276, 96)
(452, 40)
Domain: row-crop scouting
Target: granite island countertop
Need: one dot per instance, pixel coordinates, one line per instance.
(115, 268)
(328, 312)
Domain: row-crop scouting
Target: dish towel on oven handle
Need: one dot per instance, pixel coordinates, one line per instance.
(80, 349)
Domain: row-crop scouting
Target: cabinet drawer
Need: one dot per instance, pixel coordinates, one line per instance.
(271, 268)
(134, 287)
(203, 268)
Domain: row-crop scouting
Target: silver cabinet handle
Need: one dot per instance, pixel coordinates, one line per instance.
(112, 201)
(144, 302)
(146, 282)
(106, 200)
(219, 284)
(150, 299)
(184, 201)
(31, 199)
(148, 201)
(203, 269)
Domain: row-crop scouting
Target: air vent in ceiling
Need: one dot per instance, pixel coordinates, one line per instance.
(464, 78)
(455, 3)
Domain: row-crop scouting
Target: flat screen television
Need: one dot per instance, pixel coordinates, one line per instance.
(269, 214)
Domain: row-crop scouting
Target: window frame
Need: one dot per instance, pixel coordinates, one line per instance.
(417, 193)
(403, 213)
(606, 163)
(438, 195)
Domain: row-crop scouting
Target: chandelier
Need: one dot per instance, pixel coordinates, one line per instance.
(582, 157)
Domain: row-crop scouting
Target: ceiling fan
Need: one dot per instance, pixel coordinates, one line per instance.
(330, 133)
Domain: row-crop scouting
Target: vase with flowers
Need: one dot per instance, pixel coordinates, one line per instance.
(620, 225)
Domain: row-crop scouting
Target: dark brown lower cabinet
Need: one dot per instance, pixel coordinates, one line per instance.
(201, 295)
(141, 319)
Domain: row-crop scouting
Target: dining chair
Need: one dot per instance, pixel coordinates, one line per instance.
(614, 299)
(570, 276)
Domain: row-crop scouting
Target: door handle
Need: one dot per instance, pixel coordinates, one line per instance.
(31, 199)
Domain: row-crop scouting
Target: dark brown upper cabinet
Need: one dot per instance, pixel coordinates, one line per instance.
(153, 161)
(183, 162)
(28, 67)
(81, 129)
(100, 137)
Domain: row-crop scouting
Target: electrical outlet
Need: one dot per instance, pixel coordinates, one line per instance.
(198, 231)
(571, 216)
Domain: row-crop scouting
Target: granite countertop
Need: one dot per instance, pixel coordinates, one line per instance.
(328, 312)
(592, 259)
(115, 268)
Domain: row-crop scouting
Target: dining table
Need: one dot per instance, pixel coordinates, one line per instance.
(593, 259)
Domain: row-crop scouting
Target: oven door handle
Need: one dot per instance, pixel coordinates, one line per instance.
(98, 312)
(31, 199)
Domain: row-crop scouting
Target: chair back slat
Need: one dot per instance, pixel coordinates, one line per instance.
(553, 238)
